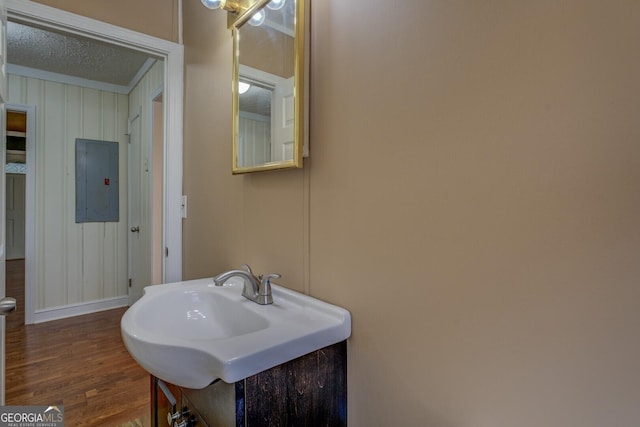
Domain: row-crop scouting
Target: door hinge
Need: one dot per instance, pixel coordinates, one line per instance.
(129, 282)
(183, 206)
(166, 252)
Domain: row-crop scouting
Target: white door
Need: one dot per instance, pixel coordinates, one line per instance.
(138, 262)
(15, 201)
(283, 121)
(3, 118)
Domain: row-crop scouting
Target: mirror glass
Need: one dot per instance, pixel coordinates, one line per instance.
(268, 82)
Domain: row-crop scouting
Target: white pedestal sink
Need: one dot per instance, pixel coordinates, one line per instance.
(191, 333)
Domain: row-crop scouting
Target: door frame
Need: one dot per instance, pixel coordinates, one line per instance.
(156, 217)
(31, 13)
(30, 212)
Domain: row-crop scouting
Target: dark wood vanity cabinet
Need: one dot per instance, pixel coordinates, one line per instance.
(308, 391)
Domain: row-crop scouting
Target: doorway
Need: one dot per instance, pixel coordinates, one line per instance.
(15, 182)
(19, 207)
(16, 173)
(172, 54)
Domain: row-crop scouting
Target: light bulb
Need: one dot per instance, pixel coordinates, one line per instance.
(258, 18)
(213, 4)
(243, 87)
(276, 4)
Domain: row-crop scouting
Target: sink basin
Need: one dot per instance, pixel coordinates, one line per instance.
(191, 333)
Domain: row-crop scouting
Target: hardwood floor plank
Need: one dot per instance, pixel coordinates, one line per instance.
(79, 362)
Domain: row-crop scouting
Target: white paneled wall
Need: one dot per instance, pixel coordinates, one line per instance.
(140, 100)
(75, 263)
(255, 134)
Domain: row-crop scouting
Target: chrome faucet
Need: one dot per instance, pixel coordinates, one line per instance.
(257, 289)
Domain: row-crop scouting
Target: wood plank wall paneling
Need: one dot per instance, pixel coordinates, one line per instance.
(51, 155)
(255, 133)
(76, 263)
(74, 234)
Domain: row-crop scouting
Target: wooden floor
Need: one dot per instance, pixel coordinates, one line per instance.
(79, 362)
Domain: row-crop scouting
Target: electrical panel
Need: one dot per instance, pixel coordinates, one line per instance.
(97, 181)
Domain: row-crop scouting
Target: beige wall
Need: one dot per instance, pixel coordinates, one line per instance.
(214, 195)
(267, 50)
(157, 18)
(472, 198)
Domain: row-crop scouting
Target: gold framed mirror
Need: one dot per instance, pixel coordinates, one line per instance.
(270, 85)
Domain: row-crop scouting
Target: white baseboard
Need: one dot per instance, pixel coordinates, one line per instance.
(72, 310)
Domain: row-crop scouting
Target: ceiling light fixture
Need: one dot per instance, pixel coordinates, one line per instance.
(228, 5)
(275, 4)
(243, 87)
(214, 4)
(242, 9)
(258, 18)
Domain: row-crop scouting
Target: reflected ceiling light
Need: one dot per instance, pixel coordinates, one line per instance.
(228, 5)
(258, 18)
(243, 87)
(214, 4)
(275, 4)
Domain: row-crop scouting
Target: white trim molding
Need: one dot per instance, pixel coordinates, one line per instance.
(20, 70)
(73, 310)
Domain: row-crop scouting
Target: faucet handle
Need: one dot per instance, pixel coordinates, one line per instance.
(246, 268)
(265, 283)
(264, 292)
(268, 277)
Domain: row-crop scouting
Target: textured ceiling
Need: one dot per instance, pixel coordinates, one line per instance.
(71, 55)
(256, 100)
